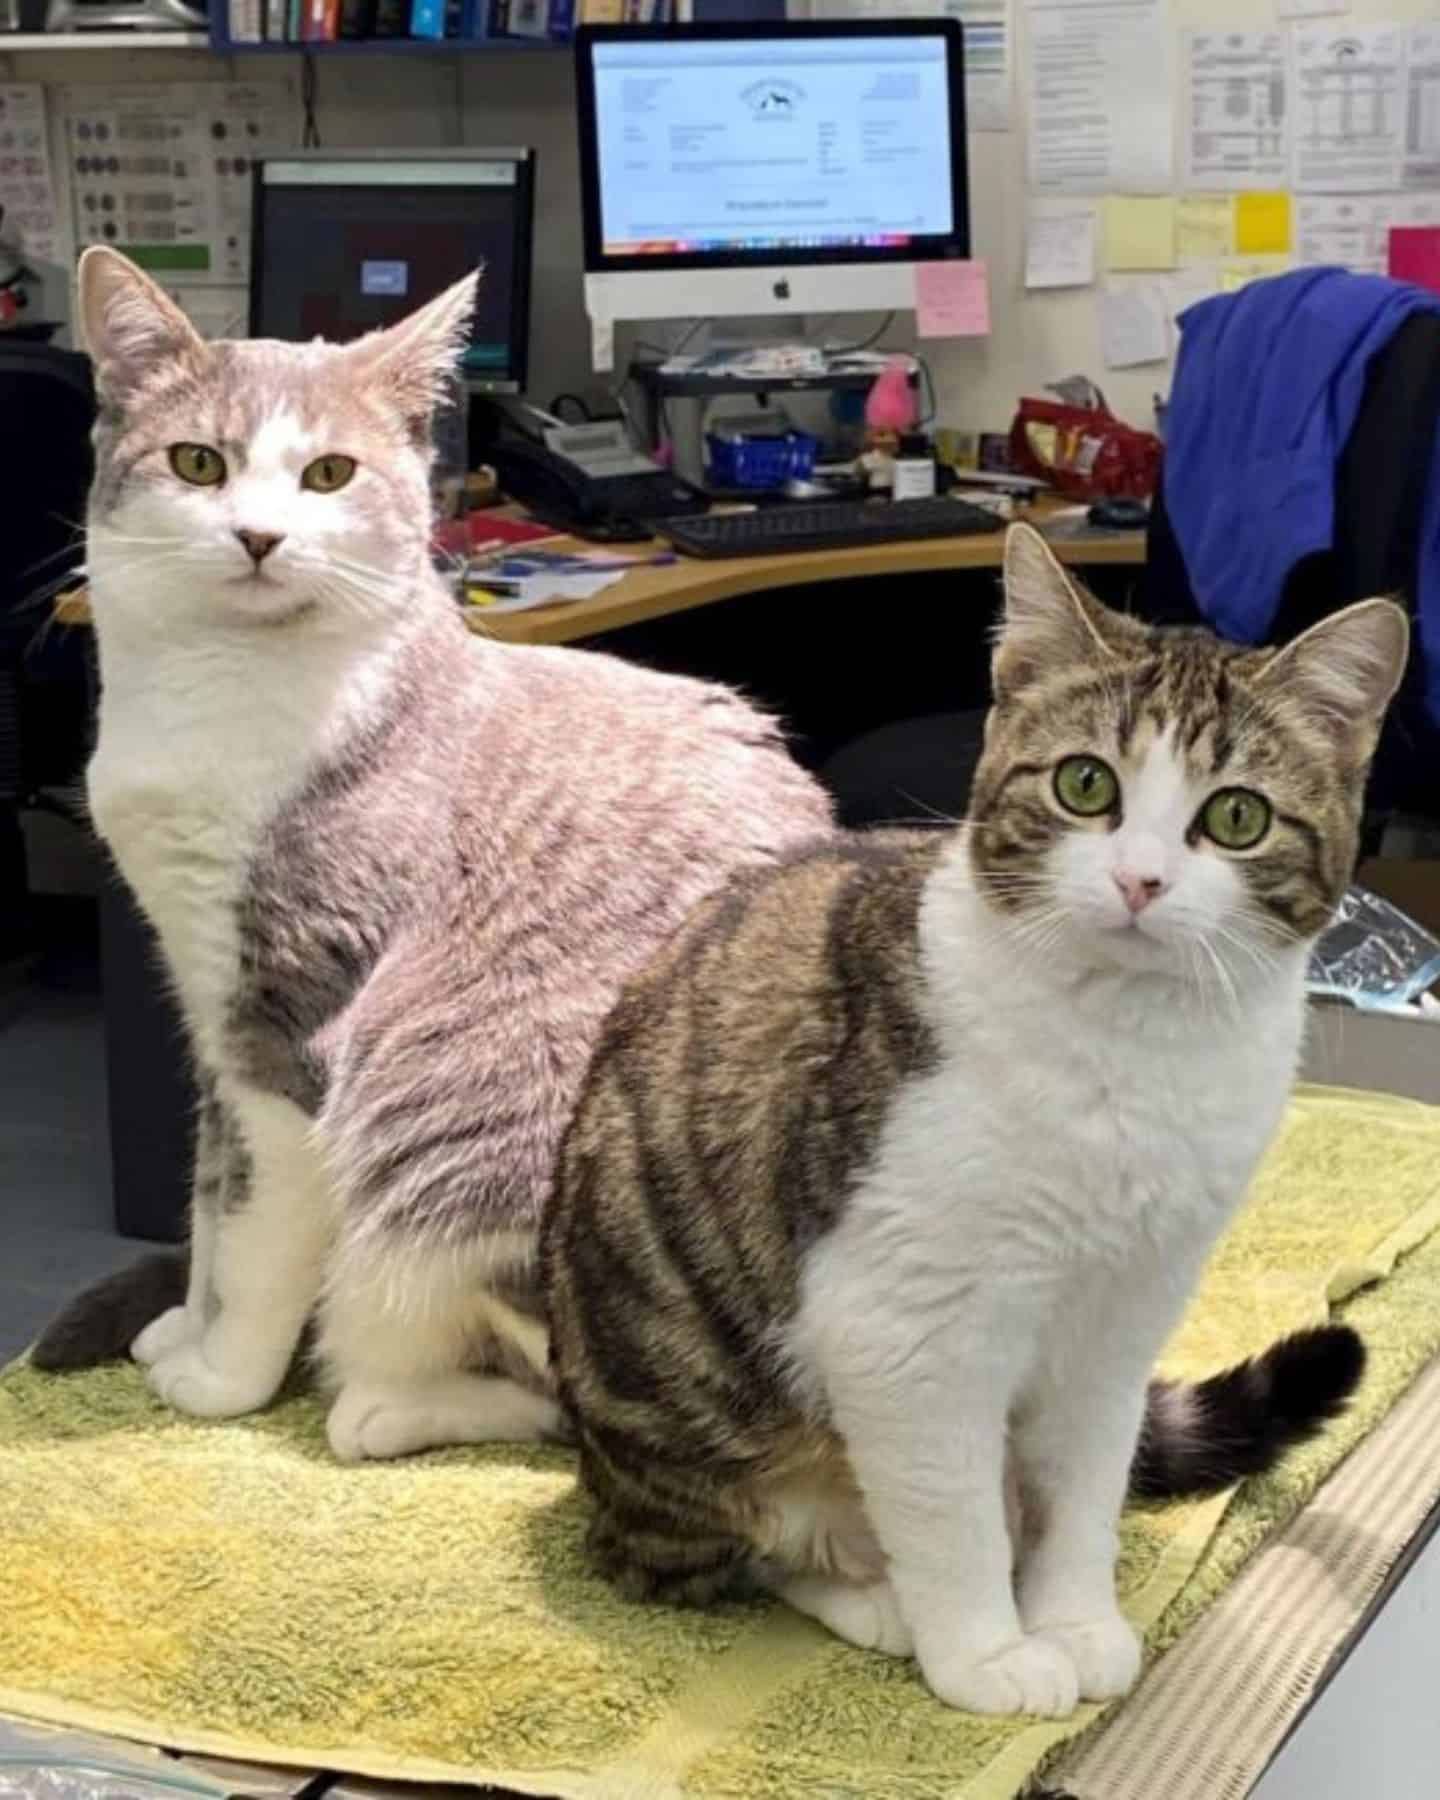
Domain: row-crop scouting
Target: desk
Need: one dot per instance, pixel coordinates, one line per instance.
(655, 593)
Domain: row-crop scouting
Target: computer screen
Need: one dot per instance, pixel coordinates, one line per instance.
(344, 243)
(799, 143)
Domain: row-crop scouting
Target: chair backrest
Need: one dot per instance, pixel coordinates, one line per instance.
(47, 403)
(1381, 477)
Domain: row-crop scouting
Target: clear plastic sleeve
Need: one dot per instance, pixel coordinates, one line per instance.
(1374, 955)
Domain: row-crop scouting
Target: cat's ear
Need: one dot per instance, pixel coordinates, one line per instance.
(1049, 622)
(129, 325)
(1343, 671)
(413, 362)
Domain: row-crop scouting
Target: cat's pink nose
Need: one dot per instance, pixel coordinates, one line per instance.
(259, 544)
(1137, 891)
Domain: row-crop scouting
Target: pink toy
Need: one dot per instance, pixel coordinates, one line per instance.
(890, 404)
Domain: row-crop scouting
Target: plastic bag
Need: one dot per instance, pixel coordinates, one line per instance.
(40, 1764)
(1083, 450)
(1373, 955)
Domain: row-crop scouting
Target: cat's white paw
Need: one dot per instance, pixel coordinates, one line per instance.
(173, 1328)
(183, 1379)
(377, 1420)
(867, 1615)
(1032, 1675)
(1105, 1652)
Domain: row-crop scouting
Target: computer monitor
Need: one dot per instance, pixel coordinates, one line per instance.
(344, 241)
(756, 168)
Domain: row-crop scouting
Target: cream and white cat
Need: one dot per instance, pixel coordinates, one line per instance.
(398, 873)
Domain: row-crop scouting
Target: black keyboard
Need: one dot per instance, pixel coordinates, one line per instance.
(831, 525)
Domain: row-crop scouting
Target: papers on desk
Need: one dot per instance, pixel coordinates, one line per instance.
(506, 584)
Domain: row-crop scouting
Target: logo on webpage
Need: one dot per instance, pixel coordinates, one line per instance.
(773, 99)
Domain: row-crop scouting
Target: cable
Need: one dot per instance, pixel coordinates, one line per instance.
(309, 98)
(927, 417)
(864, 343)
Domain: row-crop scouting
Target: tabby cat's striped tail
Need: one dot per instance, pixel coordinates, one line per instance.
(1197, 1438)
(1200, 1437)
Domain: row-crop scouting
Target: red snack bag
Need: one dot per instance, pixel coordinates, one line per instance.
(1084, 451)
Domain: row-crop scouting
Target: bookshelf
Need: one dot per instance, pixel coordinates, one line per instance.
(380, 27)
(104, 40)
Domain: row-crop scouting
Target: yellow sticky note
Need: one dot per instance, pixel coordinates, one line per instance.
(1204, 227)
(1140, 231)
(1238, 274)
(1262, 224)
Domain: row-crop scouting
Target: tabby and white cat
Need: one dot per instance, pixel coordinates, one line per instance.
(398, 874)
(894, 1170)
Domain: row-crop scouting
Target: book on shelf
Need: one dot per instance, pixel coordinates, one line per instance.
(245, 23)
(319, 21)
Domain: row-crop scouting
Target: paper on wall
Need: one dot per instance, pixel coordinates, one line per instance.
(1347, 231)
(1187, 287)
(988, 40)
(1309, 9)
(1204, 227)
(1134, 326)
(952, 299)
(1349, 94)
(162, 170)
(28, 189)
(1240, 271)
(1140, 231)
(1422, 108)
(1262, 224)
(1100, 112)
(1060, 248)
(1237, 123)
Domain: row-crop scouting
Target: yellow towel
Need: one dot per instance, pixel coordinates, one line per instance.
(229, 1588)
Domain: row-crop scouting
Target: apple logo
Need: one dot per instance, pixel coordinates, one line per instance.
(781, 289)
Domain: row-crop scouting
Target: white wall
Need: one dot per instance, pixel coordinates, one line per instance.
(528, 99)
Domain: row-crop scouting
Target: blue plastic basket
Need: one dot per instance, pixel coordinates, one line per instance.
(761, 462)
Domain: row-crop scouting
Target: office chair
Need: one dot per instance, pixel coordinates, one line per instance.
(1380, 482)
(48, 404)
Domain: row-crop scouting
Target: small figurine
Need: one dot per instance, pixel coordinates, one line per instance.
(889, 415)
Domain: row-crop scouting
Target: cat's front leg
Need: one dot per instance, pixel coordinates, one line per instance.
(266, 1254)
(219, 1171)
(922, 1408)
(1074, 1439)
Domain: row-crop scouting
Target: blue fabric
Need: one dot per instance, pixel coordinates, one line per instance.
(1267, 386)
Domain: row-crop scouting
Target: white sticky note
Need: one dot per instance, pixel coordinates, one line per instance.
(1060, 250)
(1134, 327)
(1187, 287)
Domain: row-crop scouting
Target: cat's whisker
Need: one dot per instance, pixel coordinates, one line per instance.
(1266, 963)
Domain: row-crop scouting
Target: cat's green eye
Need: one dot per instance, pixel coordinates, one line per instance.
(1235, 818)
(1085, 785)
(328, 474)
(198, 464)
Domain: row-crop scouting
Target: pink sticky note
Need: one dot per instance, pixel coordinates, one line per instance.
(952, 299)
(1415, 255)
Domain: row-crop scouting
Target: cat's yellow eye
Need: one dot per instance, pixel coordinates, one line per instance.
(1235, 818)
(328, 474)
(1085, 785)
(198, 464)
